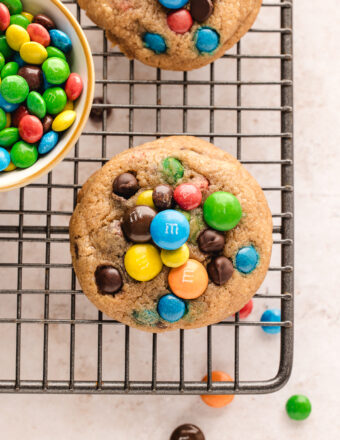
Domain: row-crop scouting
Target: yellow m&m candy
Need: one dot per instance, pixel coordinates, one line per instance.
(33, 52)
(10, 167)
(16, 36)
(28, 16)
(145, 198)
(64, 120)
(8, 120)
(69, 105)
(143, 262)
(175, 258)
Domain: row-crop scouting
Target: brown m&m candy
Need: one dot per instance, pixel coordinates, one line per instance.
(125, 185)
(136, 223)
(220, 270)
(201, 9)
(33, 76)
(187, 432)
(162, 197)
(211, 241)
(108, 279)
(45, 21)
(47, 123)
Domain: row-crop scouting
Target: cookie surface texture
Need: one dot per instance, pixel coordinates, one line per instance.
(173, 34)
(125, 273)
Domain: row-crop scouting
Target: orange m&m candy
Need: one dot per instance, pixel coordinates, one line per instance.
(188, 281)
(218, 401)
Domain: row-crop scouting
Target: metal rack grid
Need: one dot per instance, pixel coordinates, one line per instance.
(21, 232)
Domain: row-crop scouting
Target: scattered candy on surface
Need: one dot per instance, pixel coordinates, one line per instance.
(271, 315)
(155, 42)
(169, 229)
(187, 432)
(298, 407)
(23, 155)
(145, 198)
(108, 279)
(30, 129)
(211, 241)
(222, 211)
(175, 258)
(246, 259)
(64, 120)
(206, 40)
(187, 196)
(246, 310)
(162, 197)
(188, 281)
(180, 21)
(220, 270)
(125, 185)
(143, 262)
(218, 401)
(5, 159)
(171, 308)
(172, 169)
(136, 223)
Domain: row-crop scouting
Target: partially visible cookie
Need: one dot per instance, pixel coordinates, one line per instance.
(172, 234)
(173, 34)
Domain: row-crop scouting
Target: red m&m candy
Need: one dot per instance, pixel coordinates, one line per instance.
(73, 86)
(188, 196)
(30, 129)
(246, 310)
(180, 21)
(38, 33)
(4, 17)
(18, 114)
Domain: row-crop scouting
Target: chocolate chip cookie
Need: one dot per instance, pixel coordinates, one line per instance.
(172, 234)
(173, 34)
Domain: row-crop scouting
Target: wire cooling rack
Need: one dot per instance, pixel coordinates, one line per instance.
(52, 339)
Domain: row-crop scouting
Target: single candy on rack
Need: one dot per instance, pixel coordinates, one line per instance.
(298, 407)
(108, 279)
(201, 9)
(30, 129)
(246, 310)
(171, 308)
(222, 211)
(180, 21)
(172, 169)
(33, 75)
(143, 262)
(136, 223)
(125, 185)
(246, 259)
(5, 159)
(206, 40)
(48, 142)
(24, 155)
(45, 21)
(175, 258)
(271, 315)
(155, 42)
(188, 281)
(218, 401)
(220, 270)
(162, 197)
(187, 432)
(145, 198)
(188, 196)
(211, 241)
(169, 229)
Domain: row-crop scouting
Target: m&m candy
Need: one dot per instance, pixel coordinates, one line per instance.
(4, 17)
(188, 431)
(180, 21)
(218, 401)
(64, 120)
(162, 197)
(60, 40)
(73, 86)
(271, 315)
(188, 196)
(108, 279)
(206, 40)
(175, 258)
(4, 159)
(246, 310)
(155, 42)
(143, 262)
(188, 281)
(169, 229)
(125, 185)
(222, 211)
(24, 155)
(30, 129)
(145, 198)
(38, 33)
(171, 308)
(55, 99)
(298, 407)
(14, 6)
(14, 89)
(33, 53)
(48, 142)
(173, 170)
(56, 71)
(45, 21)
(136, 223)
(246, 259)
(173, 4)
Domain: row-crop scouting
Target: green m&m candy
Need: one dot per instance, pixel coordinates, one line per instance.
(55, 99)
(20, 20)
(2, 61)
(55, 52)
(298, 407)
(14, 6)
(173, 170)
(14, 89)
(9, 136)
(222, 211)
(3, 119)
(24, 155)
(10, 68)
(36, 104)
(4, 47)
(56, 70)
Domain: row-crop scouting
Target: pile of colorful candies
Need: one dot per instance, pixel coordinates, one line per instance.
(161, 223)
(180, 21)
(37, 89)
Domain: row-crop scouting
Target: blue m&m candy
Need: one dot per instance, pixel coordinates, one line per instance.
(17, 58)
(169, 229)
(5, 159)
(48, 142)
(173, 4)
(271, 315)
(171, 308)
(246, 259)
(60, 40)
(154, 42)
(7, 106)
(206, 40)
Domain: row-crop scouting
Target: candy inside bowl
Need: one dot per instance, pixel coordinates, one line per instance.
(46, 90)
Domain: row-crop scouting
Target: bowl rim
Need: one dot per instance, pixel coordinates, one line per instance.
(85, 113)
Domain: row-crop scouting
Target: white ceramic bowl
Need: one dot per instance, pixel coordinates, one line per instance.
(80, 62)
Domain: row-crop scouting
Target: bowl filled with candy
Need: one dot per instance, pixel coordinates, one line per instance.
(46, 87)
